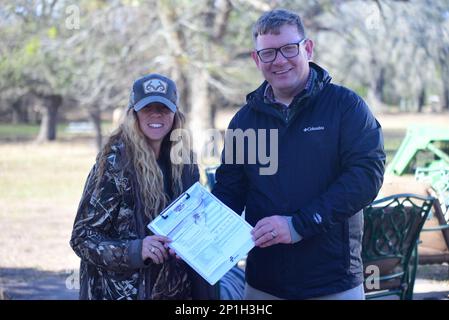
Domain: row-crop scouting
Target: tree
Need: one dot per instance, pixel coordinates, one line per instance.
(201, 56)
(111, 47)
(46, 56)
(434, 37)
(378, 50)
(30, 63)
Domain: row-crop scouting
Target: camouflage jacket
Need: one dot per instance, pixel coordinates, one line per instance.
(107, 236)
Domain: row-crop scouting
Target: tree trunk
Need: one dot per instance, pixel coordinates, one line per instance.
(20, 110)
(95, 117)
(375, 90)
(379, 86)
(49, 119)
(421, 99)
(16, 116)
(444, 64)
(182, 84)
(213, 114)
(373, 100)
(176, 46)
(199, 117)
(445, 102)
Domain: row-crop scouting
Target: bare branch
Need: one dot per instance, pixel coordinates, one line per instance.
(224, 8)
(259, 5)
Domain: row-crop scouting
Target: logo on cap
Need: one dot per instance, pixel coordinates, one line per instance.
(155, 85)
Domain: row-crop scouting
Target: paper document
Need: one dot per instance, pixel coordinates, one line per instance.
(205, 233)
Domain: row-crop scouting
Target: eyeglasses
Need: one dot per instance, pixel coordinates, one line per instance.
(289, 50)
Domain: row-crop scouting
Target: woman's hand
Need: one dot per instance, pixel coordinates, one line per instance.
(172, 252)
(154, 248)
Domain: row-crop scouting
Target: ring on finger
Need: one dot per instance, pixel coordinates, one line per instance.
(152, 249)
(274, 233)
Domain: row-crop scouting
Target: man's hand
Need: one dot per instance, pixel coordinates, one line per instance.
(271, 230)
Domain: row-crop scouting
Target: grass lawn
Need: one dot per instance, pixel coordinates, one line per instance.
(40, 185)
(18, 131)
(27, 132)
(43, 171)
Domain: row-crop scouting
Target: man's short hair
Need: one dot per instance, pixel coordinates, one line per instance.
(272, 21)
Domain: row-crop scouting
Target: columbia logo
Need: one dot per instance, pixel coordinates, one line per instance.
(308, 129)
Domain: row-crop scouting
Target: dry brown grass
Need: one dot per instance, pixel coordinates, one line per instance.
(41, 186)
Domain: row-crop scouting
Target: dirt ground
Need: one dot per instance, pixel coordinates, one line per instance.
(401, 121)
(36, 261)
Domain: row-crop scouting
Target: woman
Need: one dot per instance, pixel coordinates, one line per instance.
(132, 181)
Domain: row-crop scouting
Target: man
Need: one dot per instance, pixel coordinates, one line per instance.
(307, 217)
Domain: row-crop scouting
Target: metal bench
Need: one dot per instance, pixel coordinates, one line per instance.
(391, 230)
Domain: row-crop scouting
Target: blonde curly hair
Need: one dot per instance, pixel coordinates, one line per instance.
(150, 180)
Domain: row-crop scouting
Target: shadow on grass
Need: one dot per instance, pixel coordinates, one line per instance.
(436, 272)
(35, 284)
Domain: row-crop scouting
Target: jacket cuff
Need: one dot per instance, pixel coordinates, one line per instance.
(135, 254)
(296, 237)
(312, 220)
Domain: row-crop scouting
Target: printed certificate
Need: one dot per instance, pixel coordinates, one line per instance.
(205, 233)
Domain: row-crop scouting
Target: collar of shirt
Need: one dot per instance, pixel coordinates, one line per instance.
(269, 94)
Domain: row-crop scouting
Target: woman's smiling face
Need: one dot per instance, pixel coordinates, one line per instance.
(155, 121)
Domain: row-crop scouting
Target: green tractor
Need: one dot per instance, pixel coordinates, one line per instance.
(424, 152)
(423, 147)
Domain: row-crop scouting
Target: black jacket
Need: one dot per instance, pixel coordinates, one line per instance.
(330, 165)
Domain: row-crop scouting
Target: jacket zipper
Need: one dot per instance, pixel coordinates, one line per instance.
(285, 112)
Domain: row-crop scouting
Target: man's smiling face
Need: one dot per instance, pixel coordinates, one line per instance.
(286, 76)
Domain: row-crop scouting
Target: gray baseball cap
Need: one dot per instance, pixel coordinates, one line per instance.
(153, 88)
